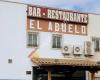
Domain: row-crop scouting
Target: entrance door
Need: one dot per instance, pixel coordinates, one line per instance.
(57, 74)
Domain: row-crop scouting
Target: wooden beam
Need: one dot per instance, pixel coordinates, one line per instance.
(49, 74)
(92, 75)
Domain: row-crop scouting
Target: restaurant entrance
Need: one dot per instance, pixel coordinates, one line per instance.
(41, 73)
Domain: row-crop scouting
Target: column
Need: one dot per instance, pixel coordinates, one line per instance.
(92, 75)
(49, 74)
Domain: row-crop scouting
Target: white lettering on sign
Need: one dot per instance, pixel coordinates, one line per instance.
(52, 26)
(76, 30)
(85, 18)
(30, 11)
(35, 24)
(38, 25)
(31, 24)
(83, 30)
(70, 29)
(63, 28)
(34, 11)
(67, 16)
(57, 27)
(55, 14)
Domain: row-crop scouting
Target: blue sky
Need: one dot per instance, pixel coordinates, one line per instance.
(91, 6)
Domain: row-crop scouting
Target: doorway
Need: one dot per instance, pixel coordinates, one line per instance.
(40, 73)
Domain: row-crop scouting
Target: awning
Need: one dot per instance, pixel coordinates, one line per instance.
(70, 62)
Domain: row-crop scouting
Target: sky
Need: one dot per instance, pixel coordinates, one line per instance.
(90, 6)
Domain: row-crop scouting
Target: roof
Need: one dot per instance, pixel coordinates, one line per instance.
(70, 62)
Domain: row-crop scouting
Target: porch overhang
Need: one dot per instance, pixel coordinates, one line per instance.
(69, 62)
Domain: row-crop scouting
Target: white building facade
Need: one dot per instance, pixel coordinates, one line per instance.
(18, 47)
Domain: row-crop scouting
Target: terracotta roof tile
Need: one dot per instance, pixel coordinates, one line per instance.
(50, 61)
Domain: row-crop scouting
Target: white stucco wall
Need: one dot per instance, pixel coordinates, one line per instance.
(94, 31)
(94, 23)
(45, 44)
(13, 41)
(13, 22)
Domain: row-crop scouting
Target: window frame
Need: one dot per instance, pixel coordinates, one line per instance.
(96, 42)
(37, 42)
(56, 46)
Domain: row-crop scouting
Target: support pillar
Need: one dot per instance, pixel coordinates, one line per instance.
(92, 75)
(49, 74)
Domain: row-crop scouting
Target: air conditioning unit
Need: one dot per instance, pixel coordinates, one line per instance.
(67, 49)
(78, 50)
(88, 48)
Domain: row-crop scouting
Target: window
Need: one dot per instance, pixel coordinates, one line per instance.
(97, 78)
(28, 72)
(10, 61)
(33, 39)
(96, 44)
(56, 41)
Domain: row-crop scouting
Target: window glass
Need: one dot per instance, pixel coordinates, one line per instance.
(56, 41)
(33, 39)
(96, 44)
